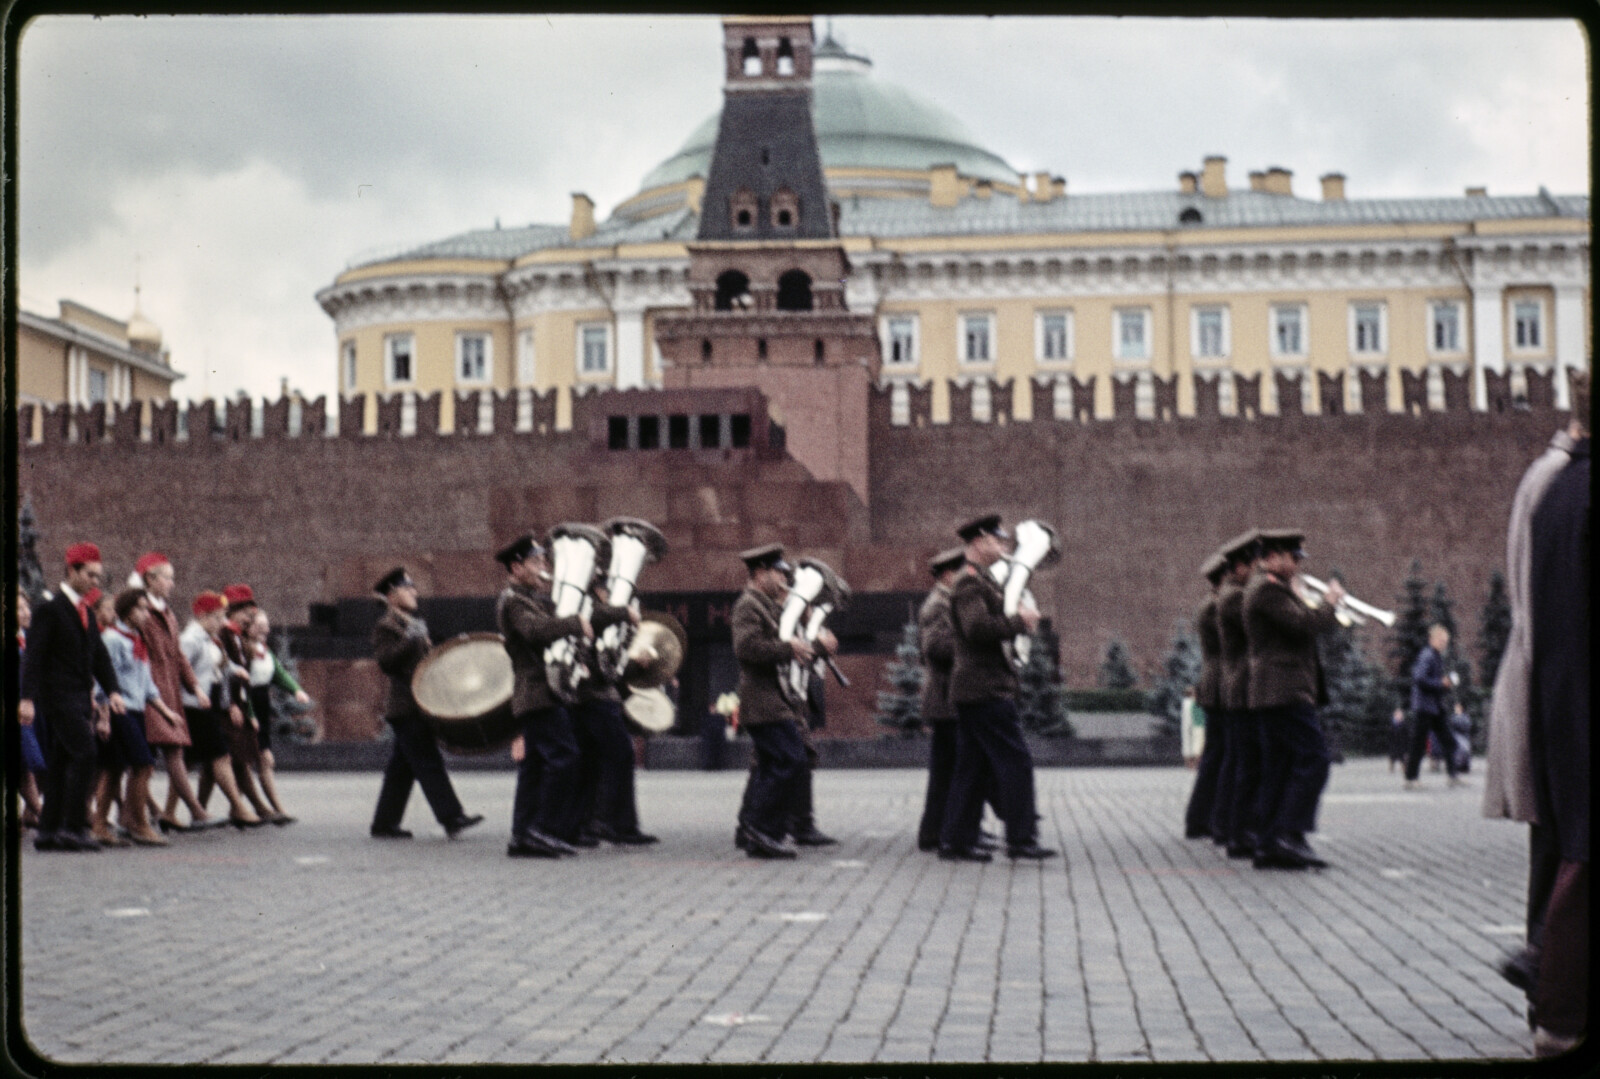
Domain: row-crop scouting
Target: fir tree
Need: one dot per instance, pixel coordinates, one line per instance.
(1410, 633)
(900, 707)
(1180, 671)
(1494, 629)
(1116, 670)
(1040, 703)
(1356, 717)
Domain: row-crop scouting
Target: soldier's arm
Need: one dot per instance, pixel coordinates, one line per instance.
(527, 622)
(753, 642)
(970, 612)
(397, 652)
(938, 634)
(604, 616)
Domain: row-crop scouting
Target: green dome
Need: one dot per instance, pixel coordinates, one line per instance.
(860, 123)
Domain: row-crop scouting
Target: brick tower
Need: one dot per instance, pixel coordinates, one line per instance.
(767, 270)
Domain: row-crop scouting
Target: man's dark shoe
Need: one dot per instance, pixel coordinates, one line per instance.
(633, 839)
(964, 854)
(524, 846)
(587, 840)
(76, 841)
(811, 837)
(1521, 969)
(46, 841)
(741, 837)
(1297, 846)
(764, 846)
(545, 839)
(1276, 854)
(927, 844)
(390, 833)
(1031, 852)
(1197, 833)
(462, 823)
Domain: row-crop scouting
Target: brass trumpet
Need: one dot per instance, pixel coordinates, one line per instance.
(1350, 611)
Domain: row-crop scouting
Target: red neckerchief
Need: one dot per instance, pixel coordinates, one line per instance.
(140, 652)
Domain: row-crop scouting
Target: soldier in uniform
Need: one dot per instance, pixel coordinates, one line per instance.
(772, 722)
(399, 643)
(1286, 688)
(983, 686)
(542, 812)
(936, 637)
(1233, 818)
(605, 804)
(1207, 694)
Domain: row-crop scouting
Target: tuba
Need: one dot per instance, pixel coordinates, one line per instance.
(577, 552)
(814, 593)
(634, 545)
(1037, 548)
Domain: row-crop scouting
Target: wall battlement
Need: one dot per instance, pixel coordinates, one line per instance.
(894, 403)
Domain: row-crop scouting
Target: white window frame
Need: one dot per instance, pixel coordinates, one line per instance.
(347, 364)
(1541, 325)
(1303, 313)
(986, 318)
(527, 369)
(1118, 317)
(390, 341)
(487, 377)
(1436, 306)
(580, 359)
(915, 325)
(1224, 333)
(1382, 350)
(1041, 339)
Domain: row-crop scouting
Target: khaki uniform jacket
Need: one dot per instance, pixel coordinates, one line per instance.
(1208, 693)
(762, 656)
(1284, 668)
(400, 642)
(937, 636)
(527, 620)
(981, 671)
(1235, 671)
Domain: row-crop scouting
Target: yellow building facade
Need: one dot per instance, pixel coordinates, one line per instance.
(976, 272)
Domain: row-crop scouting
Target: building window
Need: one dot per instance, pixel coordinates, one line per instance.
(1366, 329)
(594, 348)
(785, 208)
(1054, 330)
(1208, 333)
(348, 364)
(97, 386)
(1132, 334)
(399, 359)
(977, 335)
(750, 58)
(785, 57)
(1289, 330)
(1527, 326)
(473, 357)
(900, 341)
(1444, 333)
(525, 368)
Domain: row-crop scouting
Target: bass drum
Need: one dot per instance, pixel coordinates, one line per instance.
(464, 687)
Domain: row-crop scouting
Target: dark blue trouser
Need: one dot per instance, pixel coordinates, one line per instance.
(1423, 724)
(941, 770)
(1222, 797)
(1207, 775)
(1294, 770)
(415, 758)
(989, 739)
(70, 749)
(1241, 822)
(605, 790)
(780, 764)
(547, 775)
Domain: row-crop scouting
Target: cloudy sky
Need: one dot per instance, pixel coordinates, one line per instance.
(236, 165)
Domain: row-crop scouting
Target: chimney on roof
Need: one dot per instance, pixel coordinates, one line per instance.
(1041, 187)
(1058, 187)
(582, 226)
(1278, 181)
(1187, 183)
(1258, 181)
(1333, 187)
(1477, 192)
(1214, 177)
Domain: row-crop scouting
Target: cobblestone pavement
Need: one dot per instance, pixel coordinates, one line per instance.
(316, 944)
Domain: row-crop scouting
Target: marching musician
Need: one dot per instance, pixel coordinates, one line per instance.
(764, 712)
(605, 803)
(1207, 694)
(399, 642)
(1233, 818)
(983, 686)
(1286, 688)
(542, 810)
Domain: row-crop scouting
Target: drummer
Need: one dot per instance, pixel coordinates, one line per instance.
(400, 641)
